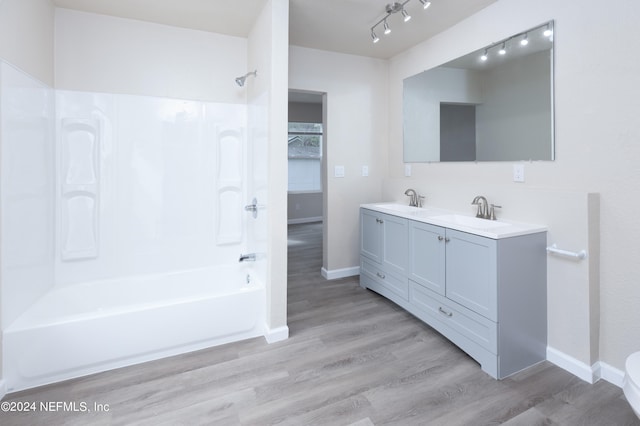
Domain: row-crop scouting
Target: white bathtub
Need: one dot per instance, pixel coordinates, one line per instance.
(90, 327)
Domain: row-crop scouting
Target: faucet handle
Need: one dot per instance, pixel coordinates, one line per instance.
(420, 200)
(492, 213)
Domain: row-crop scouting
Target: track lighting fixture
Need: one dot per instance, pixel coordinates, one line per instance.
(391, 9)
(525, 37)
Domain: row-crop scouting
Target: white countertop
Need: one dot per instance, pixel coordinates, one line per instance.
(494, 229)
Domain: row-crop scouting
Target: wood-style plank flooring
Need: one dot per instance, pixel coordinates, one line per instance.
(353, 358)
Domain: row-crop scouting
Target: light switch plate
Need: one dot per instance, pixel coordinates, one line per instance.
(518, 172)
(407, 170)
(338, 171)
(365, 170)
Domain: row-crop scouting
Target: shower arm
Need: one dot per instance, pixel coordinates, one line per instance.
(241, 80)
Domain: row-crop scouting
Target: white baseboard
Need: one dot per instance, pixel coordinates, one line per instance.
(304, 220)
(335, 274)
(590, 374)
(572, 365)
(611, 374)
(276, 334)
(3, 389)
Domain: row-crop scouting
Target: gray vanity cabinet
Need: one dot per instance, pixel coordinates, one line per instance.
(384, 253)
(488, 296)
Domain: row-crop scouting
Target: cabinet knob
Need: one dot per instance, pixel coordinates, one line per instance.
(440, 238)
(443, 312)
(446, 240)
(380, 275)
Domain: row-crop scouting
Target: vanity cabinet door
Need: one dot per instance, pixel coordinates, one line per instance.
(427, 256)
(395, 236)
(383, 239)
(370, 235)
(471, 272)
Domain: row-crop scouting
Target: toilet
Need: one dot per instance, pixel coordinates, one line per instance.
(631, 386)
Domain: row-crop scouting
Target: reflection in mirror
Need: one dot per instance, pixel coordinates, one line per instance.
(494, 104)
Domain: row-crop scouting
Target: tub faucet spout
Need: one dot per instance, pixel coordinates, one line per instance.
(250, 257)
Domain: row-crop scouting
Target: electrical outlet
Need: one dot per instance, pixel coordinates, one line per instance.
(518, 172)
(338, 171)
(365, 170)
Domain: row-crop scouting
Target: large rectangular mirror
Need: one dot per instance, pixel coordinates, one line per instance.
(494, 104)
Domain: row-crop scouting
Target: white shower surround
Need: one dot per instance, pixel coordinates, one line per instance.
(147, 214)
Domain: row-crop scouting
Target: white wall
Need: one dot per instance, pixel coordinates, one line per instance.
(597, 132)
(99, 53)
(355, 135)
(26, 36)
(268, 94)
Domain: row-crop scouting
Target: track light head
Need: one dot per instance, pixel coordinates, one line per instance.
(525, 40)
(390, 9)
(503, 49)
(484, 56)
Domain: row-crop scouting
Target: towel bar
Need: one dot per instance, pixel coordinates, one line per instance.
(582, 254)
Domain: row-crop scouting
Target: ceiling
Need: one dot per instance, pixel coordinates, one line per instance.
(336, 25)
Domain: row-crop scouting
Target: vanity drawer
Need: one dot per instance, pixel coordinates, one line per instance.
(466, 322)
(394, 283)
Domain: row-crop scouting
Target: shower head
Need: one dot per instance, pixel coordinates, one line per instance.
(240, 80)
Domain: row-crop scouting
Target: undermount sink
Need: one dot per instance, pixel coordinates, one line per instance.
(470, 221)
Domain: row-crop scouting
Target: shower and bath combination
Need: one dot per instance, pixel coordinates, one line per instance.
(241, 80)
(137, 275)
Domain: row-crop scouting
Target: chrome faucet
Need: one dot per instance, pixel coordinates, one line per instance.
(250, 257)
(483, 207)
(415, 200)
